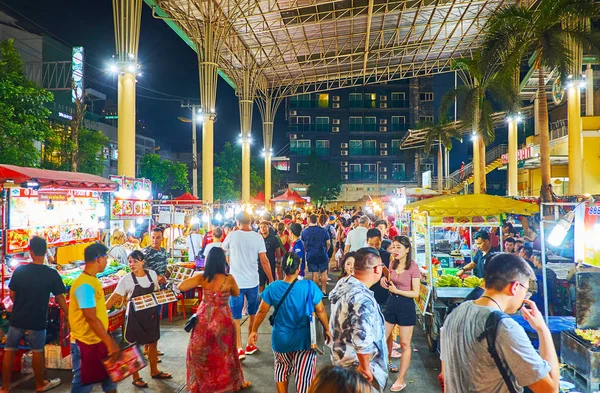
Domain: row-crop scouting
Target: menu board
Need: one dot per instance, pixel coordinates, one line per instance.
(132, 200)
(61, 217)
(153, 299)
(423, 298)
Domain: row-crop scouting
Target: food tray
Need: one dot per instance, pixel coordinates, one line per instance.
(178, 274)
(143, 302)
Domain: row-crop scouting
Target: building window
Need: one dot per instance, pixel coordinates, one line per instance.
(356, 100)
(426, 96)
(300, 147)
(399, 100)
(301, 166)
(322, 124)
(399, 123)
(301, 101)
(354, 172)
(323, 101)
(395, 146)
(426, 119)
(322, 147)
(355, 123)
(427, 167)
(398, 171)
(370, 123)
(356, 147)
(300, 123)
(369, 172)
(370, 148)
(370, 100)
(370, 188)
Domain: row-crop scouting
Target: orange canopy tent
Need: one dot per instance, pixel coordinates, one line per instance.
(289, 196)
(184, 199)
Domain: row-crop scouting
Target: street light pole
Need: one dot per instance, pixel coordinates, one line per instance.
(196, 110)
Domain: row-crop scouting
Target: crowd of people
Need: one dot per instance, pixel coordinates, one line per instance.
(282, 263)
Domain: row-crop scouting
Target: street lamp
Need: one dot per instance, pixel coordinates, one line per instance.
(193, 120)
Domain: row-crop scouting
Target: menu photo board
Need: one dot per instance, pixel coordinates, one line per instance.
(132, 200)
(591, 238)
(423, 299)
(61, 217)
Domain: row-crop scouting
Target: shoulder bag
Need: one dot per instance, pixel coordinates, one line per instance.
(317, 336)
(198, 257)
(491, 328)
(272, 317)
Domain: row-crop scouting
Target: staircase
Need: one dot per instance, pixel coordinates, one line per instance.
(493, 160)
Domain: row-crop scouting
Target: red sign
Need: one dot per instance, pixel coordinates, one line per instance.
(522, 154)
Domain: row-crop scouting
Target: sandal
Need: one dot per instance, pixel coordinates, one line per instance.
(246, 384)
(392, 368)
(139, 383)
(396, 354)
(397, 387)
(162, 375)
(50, 384)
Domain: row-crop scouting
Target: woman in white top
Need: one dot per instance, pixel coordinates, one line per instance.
(194, 243)
(117, 250)
(142, 326)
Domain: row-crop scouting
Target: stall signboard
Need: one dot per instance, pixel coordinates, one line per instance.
(132, 200)
(61, 217)
(423, 299)
(591, 226)
(465, 221)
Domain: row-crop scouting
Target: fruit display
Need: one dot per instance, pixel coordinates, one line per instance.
(472, 282)
(111, 275)
(591, 335)
(447, 280)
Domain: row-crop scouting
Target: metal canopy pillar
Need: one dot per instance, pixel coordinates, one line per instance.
(574, 119)
(127, 16)
(246, 99)
(268, 103)
(589, 90)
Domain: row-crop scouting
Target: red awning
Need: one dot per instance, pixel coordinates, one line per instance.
(55, 179)
(184, 199)
(258, 199)
(289, 196)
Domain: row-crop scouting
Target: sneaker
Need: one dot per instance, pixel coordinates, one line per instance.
(241, 354)
(250, 349)
(52, 383)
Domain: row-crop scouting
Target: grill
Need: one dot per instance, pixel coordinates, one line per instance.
(581, 356)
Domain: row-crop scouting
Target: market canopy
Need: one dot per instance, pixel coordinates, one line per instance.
(55, 179)
(184, 199)
(472, 205)
(289, 196)
(258, 199)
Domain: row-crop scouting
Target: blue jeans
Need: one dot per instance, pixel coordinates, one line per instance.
(237, 303)
(36, 339)
(77, 386)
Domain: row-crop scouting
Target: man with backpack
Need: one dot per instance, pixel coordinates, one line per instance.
(484, 350)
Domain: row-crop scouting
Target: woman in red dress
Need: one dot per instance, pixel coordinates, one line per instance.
(212, 361)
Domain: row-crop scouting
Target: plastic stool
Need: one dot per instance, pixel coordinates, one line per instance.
(173, 308)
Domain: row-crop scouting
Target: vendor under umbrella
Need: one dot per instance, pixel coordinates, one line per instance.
(142, 327)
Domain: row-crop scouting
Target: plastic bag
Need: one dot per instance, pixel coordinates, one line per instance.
(338, 254)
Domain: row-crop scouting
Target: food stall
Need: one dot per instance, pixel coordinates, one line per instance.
(65, 209)
(131, 203)
(431, 222)
(287, 201)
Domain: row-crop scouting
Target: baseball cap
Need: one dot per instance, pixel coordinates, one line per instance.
(287, 221)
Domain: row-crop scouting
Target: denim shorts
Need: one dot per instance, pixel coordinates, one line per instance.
(77, 386)
(237, 303)
(36, 339)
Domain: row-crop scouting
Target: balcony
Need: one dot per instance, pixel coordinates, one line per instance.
(354, 176)
(303, 104)
(398, 104)
(400, 176)
(300, 151)
(322, 151)
(309, 127)
(370, 175)
(399, 127)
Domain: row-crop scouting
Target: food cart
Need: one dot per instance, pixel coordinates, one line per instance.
(62, 207)
(431, 220)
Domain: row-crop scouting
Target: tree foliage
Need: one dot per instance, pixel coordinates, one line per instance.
(167, 177)
(228, 174)
(23, 116)
(58, 150)
(323, 180)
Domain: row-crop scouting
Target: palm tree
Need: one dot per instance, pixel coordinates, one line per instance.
(547, 31)
(441, 132)
(486, 89)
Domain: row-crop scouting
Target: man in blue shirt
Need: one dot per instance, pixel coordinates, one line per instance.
(297, 246)
(316, 242)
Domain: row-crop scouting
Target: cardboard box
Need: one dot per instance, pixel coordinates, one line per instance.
(54, 359)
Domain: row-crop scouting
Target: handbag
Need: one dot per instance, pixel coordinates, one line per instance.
(272, 317)
(317, 335)
(92, 362)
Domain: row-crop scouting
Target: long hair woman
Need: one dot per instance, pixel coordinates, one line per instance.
(347, 264)
(336, 379)
(212, 361)
(404, 283)
(290, 336)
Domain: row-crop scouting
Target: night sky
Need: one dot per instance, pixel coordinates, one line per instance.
(169, 66)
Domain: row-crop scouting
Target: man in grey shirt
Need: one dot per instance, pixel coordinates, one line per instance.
(467, 366)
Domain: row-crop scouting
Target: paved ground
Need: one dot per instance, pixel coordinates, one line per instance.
(258, 368)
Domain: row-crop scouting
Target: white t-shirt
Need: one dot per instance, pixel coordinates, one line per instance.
(210, 247)
(244, 247)
(357, 238)
(125, 286)
(196, 240)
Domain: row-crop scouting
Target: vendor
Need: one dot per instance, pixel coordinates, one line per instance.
(117, 250)
(483, 255)
(141, 327)
(156, 256)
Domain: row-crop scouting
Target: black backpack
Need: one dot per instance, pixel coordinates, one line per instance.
(491, 328)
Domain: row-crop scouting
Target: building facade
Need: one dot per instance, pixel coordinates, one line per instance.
(359, 130)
